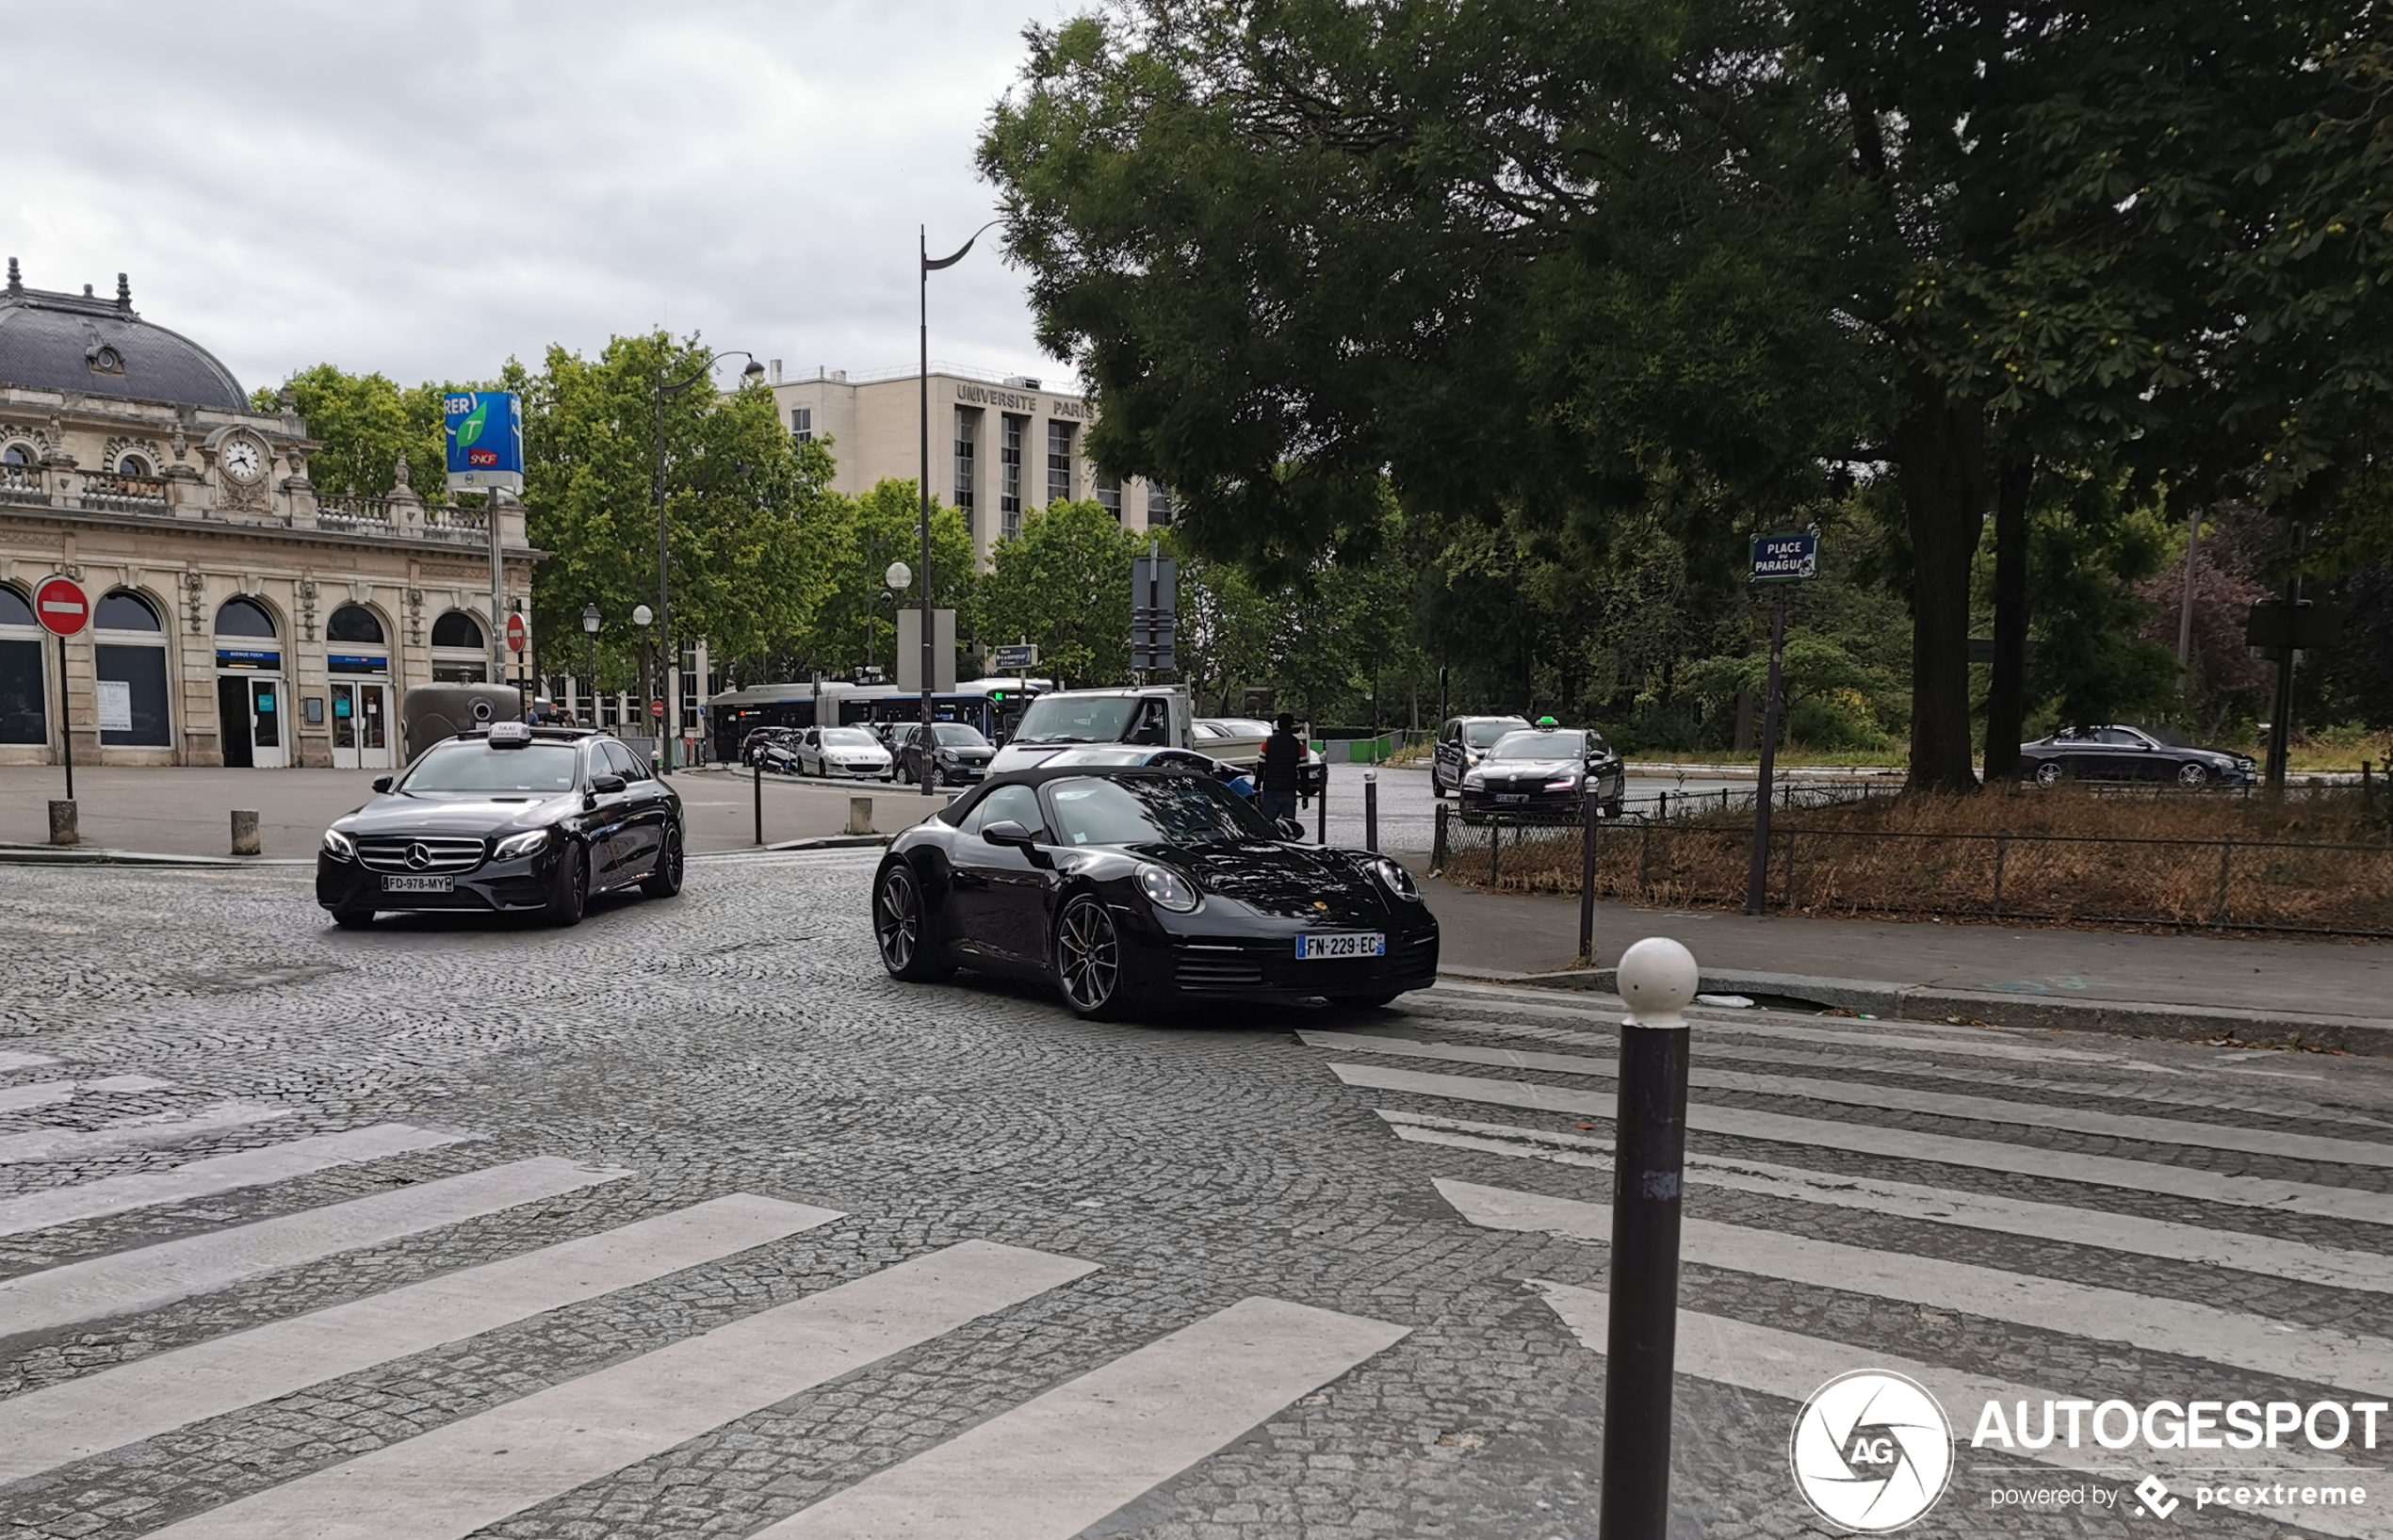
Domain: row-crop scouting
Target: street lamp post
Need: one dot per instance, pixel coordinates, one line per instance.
(665, 544)
(590, 628)
(640, 616)
(923, 295)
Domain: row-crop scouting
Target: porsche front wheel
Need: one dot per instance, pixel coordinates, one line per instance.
(1088, 958)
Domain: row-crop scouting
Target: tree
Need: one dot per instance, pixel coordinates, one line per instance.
(1064, 583)
(365, 422)
(863, 536)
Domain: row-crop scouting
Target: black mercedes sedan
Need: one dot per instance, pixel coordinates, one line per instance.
(2119, 753)
(508, 818)
(1124, 885)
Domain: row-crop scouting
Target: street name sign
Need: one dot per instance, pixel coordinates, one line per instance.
(1014, 657)
(1789, 558)
(62, 607)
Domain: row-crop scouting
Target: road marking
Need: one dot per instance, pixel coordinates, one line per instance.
(2267, 1255)
(13, 1060)
(1770, 1362)
(1052, 1467)
(150, 1276)
(1977, 1043)
(451, 1482)
(112, 1407)
(155, 1128)
(2318, 1354)
(16, 1098)
(2152, 1130)
(216, 1174)
(1902, 1145)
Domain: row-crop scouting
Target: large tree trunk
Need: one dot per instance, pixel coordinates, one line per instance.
(2007, 697)
(1939, 461)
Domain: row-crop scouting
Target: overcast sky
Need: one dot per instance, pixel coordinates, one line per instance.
(425, 189)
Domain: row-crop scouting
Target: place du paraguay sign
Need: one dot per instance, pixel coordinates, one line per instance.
(1789, 558)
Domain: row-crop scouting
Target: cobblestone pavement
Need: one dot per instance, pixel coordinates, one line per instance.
(436, 1230)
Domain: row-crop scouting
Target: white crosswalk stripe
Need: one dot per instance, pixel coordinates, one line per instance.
(12, 1059)
(135, 1132)
(1047, 1466)
(2051, 1198)
(16, 1098)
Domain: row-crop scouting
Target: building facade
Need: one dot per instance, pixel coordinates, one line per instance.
(1001, 446)
(240, 618)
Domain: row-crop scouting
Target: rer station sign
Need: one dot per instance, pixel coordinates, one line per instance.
(1789, 558)
(486, 432)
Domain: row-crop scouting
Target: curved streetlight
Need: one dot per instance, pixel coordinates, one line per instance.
(924, 285)
(664, 546)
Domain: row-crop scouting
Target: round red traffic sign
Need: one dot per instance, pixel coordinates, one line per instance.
(61, 604)
(515, 632)
(656, 710)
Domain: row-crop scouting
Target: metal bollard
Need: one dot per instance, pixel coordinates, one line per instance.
(1371, 810)
(1658, 978)
(1590, 808)
(1321, 814)
(756, 784)
(63, 825)
(245, 840)
(859, 815)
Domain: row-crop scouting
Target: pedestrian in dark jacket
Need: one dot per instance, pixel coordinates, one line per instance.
(1283, 752)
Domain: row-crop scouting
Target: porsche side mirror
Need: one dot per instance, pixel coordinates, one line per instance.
(609, 784)
(1291, 829)
(382, 782)
(1006, 832)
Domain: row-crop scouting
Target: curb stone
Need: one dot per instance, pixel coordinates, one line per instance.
(1891, 1001)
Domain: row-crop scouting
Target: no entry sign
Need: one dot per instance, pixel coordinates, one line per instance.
(515, 633)
(61, 607)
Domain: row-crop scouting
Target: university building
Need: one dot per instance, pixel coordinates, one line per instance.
(240, 618)
(1000, 444)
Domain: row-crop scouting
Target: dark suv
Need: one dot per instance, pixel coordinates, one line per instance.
(506, 818)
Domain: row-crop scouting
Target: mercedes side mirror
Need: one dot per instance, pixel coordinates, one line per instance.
(382, 782)
(609, 784)
(1008, 832)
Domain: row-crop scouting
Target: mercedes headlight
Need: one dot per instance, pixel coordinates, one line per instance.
(1166, 889)
(339, 846)
(530, 842)
(1396, 879)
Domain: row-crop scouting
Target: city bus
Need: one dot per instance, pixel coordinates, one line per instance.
(992, 705)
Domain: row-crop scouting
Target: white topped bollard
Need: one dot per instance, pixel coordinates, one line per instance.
(1657, 977)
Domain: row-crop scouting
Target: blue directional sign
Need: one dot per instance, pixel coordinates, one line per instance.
(1785, 557)
(485, 440)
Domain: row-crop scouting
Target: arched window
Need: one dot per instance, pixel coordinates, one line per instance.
(355, 622)
(244, 618)
(457, 629)
(132, 465)
(17, 454)
(126, 611)
(130, 660)
(23, 682)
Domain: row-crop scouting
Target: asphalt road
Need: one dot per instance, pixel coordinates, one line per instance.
(769, 1244)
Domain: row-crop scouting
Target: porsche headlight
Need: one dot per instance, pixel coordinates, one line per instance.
(1396, 879)
(530, 842)
(339, 846)
(1166, 889)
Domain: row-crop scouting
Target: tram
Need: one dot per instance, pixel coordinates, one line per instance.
(992, 705)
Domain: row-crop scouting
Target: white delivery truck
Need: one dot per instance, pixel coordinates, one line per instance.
(1146, 716)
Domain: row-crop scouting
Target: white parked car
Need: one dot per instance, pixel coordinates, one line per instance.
(847, 753)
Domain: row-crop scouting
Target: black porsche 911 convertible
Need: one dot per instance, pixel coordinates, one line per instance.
(1127, 885)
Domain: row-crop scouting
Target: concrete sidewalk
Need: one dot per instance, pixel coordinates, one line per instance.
(188, 811)
(2290, 991)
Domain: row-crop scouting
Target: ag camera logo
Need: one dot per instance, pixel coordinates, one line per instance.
(1871, 1451)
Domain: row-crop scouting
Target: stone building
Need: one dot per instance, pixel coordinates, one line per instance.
(240, 618)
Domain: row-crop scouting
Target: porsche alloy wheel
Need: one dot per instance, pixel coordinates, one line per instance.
(901, 928)
(1088, 957)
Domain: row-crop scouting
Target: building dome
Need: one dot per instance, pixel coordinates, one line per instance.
(78, 342)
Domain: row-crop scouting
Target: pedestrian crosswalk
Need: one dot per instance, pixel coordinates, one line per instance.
(1870, 1133)
(1048, 1467)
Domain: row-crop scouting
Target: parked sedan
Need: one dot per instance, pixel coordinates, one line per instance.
(1462, 742)
(1544, 771)
(2118, 753)
(510, 819)
(1127, 885)
(958, 755)
(847, 753)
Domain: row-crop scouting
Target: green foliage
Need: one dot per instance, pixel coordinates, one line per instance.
(861, 536)
(2089, 666)
(1063, 584)
(366, 422)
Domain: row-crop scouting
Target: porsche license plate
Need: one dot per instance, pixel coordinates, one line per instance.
(419, 885)
(1350, 944)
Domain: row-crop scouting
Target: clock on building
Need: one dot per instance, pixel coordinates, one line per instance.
(244, 460)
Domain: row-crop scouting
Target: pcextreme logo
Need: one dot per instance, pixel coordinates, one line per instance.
(1871, 1451)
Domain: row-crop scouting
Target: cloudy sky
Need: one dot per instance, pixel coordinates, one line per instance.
(425, 189)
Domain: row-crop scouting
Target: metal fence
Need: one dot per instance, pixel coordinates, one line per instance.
(2188, 884)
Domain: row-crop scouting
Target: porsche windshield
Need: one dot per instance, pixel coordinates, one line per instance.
(1075, 719)
(468, 769)
(1153, 810)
